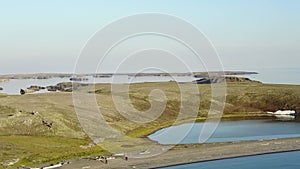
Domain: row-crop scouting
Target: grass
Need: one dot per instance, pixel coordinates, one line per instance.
(23, 135)
(35, 150)
(6, 111)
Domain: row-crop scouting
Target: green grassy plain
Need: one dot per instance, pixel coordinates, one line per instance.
(24, 136)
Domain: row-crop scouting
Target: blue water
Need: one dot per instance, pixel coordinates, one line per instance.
(288, 160)
(277, 75)
(228, 131)
(13, 86)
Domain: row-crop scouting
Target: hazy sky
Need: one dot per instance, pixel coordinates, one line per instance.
(47, 36)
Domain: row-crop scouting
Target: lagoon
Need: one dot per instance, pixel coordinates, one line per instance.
(228, 131)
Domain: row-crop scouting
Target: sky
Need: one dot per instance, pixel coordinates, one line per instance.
(48, 36)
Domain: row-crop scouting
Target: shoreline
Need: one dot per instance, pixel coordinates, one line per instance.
(195, 153)
(109, 74)
(261, 116)
(227, 158)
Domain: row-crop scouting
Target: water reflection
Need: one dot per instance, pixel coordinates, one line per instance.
(228, 131)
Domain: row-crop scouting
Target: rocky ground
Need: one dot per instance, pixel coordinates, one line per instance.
(182, 154)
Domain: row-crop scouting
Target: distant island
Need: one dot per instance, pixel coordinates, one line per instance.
(106, 75)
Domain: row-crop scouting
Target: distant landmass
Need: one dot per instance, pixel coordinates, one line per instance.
(105, 75)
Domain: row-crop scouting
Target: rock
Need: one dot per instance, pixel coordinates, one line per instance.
(239, 79)
(36, 88)
(64, 87)
(34, 113)
(42, 77)
(10, 162)
(207, 80)
(52, 88)
(29, 91)
(78, 79)
(22, 91)
(68, 90)
(1, 88)
(47, 123)
(88, 146)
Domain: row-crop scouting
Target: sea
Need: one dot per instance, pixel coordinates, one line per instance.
(271, 75)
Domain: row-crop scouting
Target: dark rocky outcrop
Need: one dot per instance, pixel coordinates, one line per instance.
(31, 89)
(47, 123)
(63, 87)
(36, 88)
(51, 88)
(78, 79)
(1, 88)
(239, 79)
(221, 73)
(34, 113)
(209, 80)
(22, 91)
(221, 79)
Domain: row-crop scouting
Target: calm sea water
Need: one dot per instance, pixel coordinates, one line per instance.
(228, 131)
(277, 76)
(289, 160)
(14, 85)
